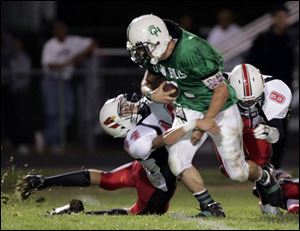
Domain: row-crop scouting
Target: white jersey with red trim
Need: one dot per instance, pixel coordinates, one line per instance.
(276, 102)
(162, 116)
(156, 119)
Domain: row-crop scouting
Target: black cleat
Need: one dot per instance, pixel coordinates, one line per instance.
(270, 193)
(75, 206)
(212, 210)
(29, 184)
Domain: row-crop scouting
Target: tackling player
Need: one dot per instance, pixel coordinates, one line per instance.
(263, 102)
(151, 175)
(164, 49)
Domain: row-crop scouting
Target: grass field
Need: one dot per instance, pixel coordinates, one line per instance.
(240, 206)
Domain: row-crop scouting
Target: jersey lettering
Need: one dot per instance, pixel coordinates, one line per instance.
(135, 136)
(171, 72)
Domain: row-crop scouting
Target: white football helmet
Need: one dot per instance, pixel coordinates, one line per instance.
(248, 84)
(147, 39)
(113, 120)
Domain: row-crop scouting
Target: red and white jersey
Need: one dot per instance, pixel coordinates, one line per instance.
(276, 102)
(162, 116)
(156, 119)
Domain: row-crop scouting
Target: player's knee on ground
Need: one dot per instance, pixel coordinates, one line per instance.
(141, 148)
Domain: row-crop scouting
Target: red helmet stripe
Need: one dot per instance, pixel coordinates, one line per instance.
(114, 126)
(247, 84)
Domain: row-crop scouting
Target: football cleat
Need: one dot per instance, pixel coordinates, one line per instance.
(29, 184)
(212, 210)
(268, 209)
(75, 206)
(270, 193)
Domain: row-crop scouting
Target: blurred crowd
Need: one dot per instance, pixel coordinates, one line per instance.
(31, 101)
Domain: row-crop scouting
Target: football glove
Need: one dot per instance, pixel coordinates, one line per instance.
(265, 132)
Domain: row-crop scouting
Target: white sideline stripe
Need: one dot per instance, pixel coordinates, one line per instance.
(214, 225)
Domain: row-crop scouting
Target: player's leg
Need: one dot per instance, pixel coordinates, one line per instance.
(229, 144)
(290, 190)
(290, 200)
(118, 178)
(180, 160)
(230, 148)
(31, 183)
(151, 200)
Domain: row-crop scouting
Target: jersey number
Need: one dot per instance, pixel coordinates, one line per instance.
(275, 96)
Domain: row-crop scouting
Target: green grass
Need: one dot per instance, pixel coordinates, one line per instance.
(240, 206)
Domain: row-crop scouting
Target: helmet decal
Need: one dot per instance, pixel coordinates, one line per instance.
(154, 30)
(247, 86)
(111, 120)
(147, 39)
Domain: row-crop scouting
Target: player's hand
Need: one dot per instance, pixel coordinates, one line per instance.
(265, 132)
(196, 136)
(208, 124)
(160, 96)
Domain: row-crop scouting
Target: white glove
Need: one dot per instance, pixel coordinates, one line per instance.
(265, 132)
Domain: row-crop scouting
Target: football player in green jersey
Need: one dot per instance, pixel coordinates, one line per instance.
(164, 49)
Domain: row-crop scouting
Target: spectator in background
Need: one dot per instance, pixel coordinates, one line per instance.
(59, 56)
(20, 67)
(224, 30)
(273, 53)
(17, 102)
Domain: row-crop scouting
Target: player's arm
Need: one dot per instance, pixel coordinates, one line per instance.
(173, 135)
(157, 95)
(220, 95)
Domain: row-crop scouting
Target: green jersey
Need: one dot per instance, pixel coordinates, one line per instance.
(192, 62)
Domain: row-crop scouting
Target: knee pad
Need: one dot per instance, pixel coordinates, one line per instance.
(238, 171)
(240, 176)
(178, 165)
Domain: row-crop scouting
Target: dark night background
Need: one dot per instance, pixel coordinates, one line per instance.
(106, 22)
